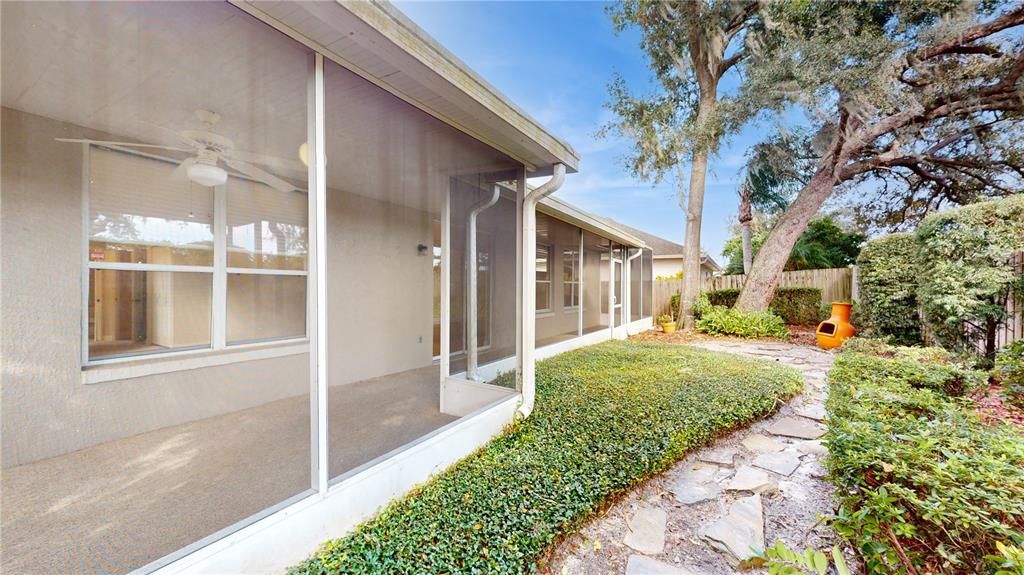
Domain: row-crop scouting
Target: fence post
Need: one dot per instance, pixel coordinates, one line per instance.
(855, 284)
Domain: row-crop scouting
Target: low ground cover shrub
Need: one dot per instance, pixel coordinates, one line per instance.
(1010, 372)
(721, 320)
(920, 367)
(921, 482)
(795, 305)
(607, 417)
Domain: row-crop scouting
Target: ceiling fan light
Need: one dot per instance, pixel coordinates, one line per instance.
(208, 175)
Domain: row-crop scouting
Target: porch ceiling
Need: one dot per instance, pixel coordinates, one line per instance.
(387, 48)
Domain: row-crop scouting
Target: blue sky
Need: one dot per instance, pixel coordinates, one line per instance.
(554, 59)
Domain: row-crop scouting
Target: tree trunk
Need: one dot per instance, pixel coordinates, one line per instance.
(771, 259)
(748, 249)
(691, 257)
(745, 216)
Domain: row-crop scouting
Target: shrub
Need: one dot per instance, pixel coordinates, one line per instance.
(721, 320)
(795, 305)
(607, 417)
(965, 271)
(724, 297)
(888, 288)
(917, 475)
(1010, 372)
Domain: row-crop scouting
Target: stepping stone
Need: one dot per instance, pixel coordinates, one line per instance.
(690, 492)
(761, 443)
(749, 479)
(640, 565)
(721, 456)
(699, 473)
(784, 463)
(796, 427)
(812, 447)
(815, 412)
(740, 534)
(647, 531)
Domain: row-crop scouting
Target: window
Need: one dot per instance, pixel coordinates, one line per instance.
(571, 278)
(543, 281)
(156, 266)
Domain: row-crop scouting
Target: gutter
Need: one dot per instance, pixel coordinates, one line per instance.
(529, 327)
(471, 282)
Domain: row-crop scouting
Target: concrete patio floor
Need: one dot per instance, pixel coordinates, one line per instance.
(117, 506)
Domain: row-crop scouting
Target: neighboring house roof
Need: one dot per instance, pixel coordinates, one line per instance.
(378, 42)
(662, 248)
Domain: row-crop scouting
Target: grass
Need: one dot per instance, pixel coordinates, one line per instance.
(608, 417)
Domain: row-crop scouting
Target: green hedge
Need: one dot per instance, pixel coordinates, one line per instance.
(887, 269)
(607, 417)
(915, 470)
(795, 305)
(965, 273)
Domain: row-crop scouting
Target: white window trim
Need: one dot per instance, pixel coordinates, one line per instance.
(567, 285)
(219, 272)
(547, 310)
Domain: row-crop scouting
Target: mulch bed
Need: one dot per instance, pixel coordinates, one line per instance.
(991, 408)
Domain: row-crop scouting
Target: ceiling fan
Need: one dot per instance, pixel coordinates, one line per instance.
(210, 150)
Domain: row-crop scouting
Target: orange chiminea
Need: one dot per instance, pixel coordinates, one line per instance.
(832, 332)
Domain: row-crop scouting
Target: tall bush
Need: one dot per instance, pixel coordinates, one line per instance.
(888, 288)
(965, 271)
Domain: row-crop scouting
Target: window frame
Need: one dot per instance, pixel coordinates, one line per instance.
(219, 276)
(549, 248)
(572, 286)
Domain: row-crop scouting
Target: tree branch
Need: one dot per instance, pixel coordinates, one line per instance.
(1007, 20)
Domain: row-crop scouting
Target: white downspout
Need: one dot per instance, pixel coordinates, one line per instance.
(529, 279)
(471, 281)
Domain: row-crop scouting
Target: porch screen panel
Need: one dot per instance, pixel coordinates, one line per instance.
(132, 429)
(561, 320)
(635, 283)
(390, 168)
(595, 282)
(647, 285)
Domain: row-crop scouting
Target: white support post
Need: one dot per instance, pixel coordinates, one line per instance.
(446, 249)
(220, 262)
(611, 289)
(579, 288)
(317, 279)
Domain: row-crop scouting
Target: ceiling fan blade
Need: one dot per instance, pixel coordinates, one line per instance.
(261, 175)
(180, 174)
(170, 134)
(127, 144)
(266, 160)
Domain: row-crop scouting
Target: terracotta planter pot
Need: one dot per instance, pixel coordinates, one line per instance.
(832, 332)
(669, 327)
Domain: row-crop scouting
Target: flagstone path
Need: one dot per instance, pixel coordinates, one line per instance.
(706, 513)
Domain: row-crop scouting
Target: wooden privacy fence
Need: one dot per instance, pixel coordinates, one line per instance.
(836, 284)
